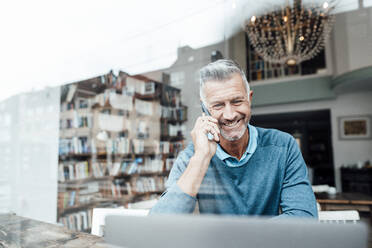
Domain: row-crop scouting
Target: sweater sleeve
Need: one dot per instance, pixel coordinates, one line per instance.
(174, 200)
(297, 197)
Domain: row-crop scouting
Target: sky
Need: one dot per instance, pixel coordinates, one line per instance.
(45, 43)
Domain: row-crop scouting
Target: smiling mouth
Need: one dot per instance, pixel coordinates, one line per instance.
(231, 124)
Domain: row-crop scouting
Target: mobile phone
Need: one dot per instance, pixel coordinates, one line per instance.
(205, 110)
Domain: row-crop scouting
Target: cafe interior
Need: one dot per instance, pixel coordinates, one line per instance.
(99, 98)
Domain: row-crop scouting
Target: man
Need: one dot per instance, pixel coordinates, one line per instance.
(242, 170)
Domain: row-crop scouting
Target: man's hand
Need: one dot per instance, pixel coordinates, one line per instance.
(192, 177)
(204, 125)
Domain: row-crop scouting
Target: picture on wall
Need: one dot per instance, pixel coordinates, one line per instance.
(355, 127)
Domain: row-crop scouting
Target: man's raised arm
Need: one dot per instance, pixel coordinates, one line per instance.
(189, 170)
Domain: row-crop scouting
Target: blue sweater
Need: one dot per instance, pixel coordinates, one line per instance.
(274, 178)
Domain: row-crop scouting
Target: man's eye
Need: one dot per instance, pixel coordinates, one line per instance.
(217, 106)
(237, 101)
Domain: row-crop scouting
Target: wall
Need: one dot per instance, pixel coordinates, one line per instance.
(344, 151)
(352, 40)
(293, 90)
(190, 61)
(237, 51)
(349, 49)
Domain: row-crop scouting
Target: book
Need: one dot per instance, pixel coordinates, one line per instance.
(72, 198)
(71, 171)
(134, 112)
(61, 173)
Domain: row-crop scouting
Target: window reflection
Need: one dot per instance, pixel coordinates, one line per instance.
(28, 154)
(119, 136)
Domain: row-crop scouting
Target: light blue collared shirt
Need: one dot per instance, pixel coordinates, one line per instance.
(274, 178)
(251, 148)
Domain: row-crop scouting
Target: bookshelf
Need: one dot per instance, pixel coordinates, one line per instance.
(119, 137)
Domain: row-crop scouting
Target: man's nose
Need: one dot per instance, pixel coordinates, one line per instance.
(228, 112)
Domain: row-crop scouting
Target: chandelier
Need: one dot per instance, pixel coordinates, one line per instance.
(291, 34)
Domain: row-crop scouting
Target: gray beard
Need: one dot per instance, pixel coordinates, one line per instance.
(225, 136)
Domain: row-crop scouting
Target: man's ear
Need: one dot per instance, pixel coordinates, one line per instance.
(250, 95)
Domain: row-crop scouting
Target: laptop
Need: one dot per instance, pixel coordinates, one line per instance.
(181, 231)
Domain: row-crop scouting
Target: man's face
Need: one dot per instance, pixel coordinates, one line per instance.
(229, 103)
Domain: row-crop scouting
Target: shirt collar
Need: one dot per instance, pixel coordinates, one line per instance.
(252, 144)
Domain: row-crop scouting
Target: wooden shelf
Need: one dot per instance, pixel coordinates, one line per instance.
(80, 155)
(154, 96)
(144, 174)
(135, 155)
(171, 138)
(129, 155)
(172, 121)
(76, 155)
(76, 208)
(118, 155)
(85, 180)
(72, 191)
(136, 194)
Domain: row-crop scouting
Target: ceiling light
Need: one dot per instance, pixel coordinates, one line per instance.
(291, 34)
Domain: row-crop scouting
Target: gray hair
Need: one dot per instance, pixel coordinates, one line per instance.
(220, 71)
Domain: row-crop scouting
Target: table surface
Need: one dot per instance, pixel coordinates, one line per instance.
(344, 198)
(16, 231)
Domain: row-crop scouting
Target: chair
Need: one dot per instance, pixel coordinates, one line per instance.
(99, 214)
(339, 216)
(148, 204)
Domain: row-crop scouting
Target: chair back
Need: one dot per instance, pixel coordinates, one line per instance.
(339, 216)
(148, 204)
(99, 215)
